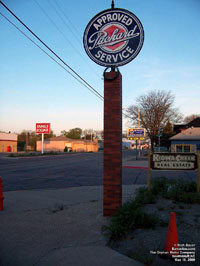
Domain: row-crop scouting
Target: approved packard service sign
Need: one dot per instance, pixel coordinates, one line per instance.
(113, 37)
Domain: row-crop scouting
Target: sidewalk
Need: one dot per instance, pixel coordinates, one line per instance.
(60, 227)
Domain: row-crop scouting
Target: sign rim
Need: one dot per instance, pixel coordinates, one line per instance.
(131, 57)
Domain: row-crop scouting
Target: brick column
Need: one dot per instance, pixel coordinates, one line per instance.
(112, 182)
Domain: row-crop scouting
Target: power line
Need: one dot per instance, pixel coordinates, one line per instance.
(64, 14)
(61, 18)
(83, 82)
(48, 55)
(52, 51)
(63, 34)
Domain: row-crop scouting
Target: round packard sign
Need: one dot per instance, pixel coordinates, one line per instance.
(113, 37)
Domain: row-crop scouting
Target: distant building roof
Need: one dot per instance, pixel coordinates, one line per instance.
(8, 136)
(182, 126)
(61, 138)
(192, 133)
(194, 123)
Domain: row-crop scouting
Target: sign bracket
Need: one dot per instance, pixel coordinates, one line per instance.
(113, 4)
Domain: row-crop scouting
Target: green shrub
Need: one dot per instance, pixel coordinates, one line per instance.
(130, 217)
(159, 185)
(144, 196)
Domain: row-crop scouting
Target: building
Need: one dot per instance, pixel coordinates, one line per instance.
(186, 141)
(183, 126)
(60, 143)
(8, 142)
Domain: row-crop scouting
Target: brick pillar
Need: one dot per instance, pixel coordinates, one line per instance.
(112, 182)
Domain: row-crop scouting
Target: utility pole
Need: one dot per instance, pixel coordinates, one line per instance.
(138, 127)
(138, 117)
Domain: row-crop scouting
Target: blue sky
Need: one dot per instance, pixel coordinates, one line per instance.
(35, 89)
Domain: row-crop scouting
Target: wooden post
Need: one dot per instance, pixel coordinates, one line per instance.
(149, 171)
(198, 171)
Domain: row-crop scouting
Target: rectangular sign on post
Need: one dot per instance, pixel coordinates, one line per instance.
(136, 133)
(43, 128)
(173, 161)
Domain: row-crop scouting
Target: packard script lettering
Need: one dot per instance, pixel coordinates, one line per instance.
(101, 38)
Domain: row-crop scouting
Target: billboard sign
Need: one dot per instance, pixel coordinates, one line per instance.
(136, 133)
(113, 37)
(43, 128)
(173, 161)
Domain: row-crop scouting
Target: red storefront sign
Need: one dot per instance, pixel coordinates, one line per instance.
(43, 128)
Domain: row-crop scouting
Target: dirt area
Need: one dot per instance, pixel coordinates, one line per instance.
(141, 243)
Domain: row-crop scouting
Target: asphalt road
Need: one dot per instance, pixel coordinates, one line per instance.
(69, 170)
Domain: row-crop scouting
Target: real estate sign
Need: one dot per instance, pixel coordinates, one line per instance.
(173, 161)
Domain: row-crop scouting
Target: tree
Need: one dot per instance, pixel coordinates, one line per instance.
(99, 134)
(50, 135)
(168, 128)
(166, 135)
(21, 140)
(63, 133)
(190, 118)
(74, 133)
(156, 108)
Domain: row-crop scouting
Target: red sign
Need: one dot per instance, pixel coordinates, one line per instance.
(43, 128)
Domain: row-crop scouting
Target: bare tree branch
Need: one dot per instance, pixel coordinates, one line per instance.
(156, 109)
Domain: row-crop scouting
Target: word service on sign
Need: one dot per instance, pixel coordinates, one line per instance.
(113, 37)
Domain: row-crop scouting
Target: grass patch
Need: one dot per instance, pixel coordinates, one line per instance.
(176, 190)
(131, 216)
(32, 154)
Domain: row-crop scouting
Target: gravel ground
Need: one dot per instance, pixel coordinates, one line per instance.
(140, 243)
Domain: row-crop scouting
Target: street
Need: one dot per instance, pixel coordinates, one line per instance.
(73, 170)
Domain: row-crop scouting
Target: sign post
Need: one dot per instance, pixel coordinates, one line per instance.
(42, 143)
(136, 142)
(43, 128)
(113, 38)
(149, 172)
(198, 171)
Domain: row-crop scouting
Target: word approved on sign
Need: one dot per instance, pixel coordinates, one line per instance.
(113, 37)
